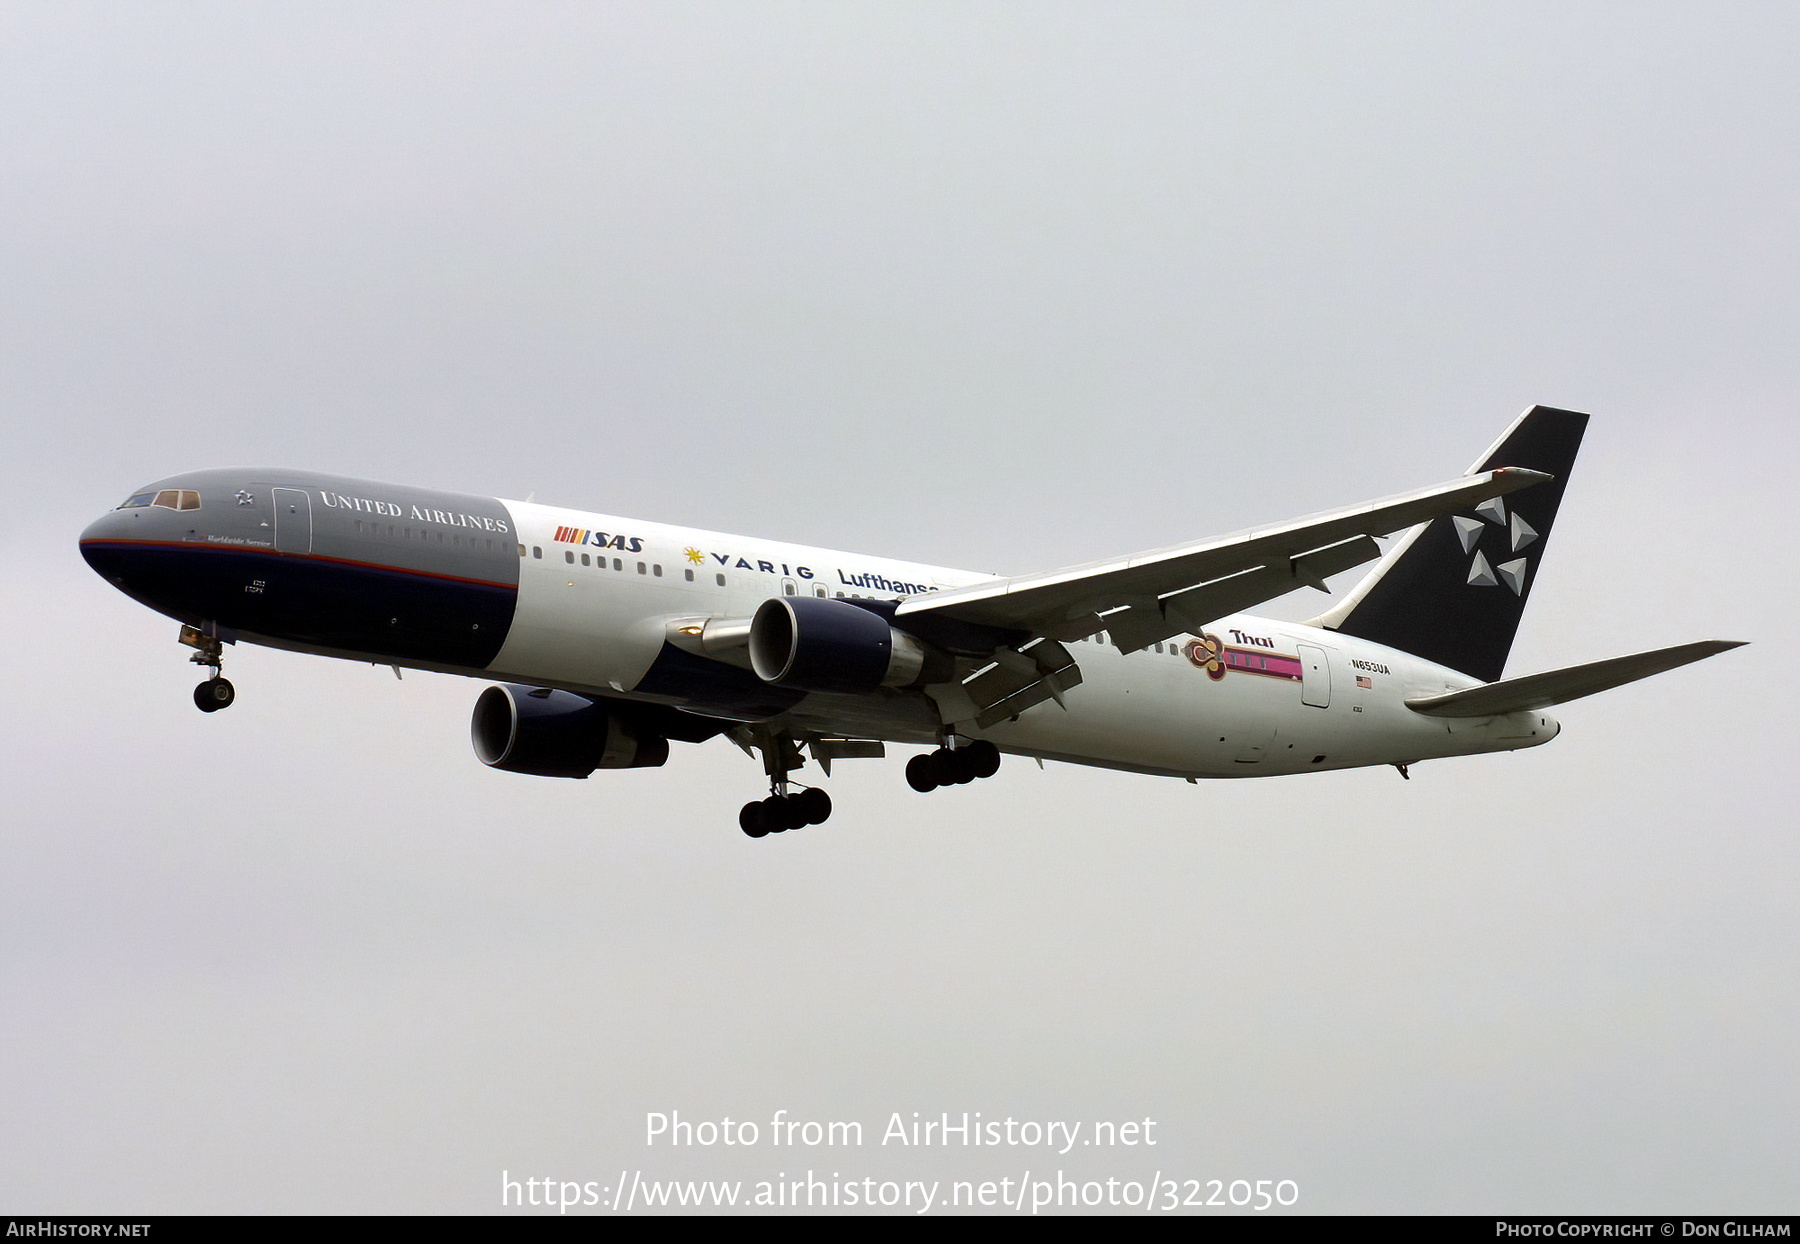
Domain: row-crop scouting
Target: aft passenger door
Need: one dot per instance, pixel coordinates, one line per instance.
(1315, 677)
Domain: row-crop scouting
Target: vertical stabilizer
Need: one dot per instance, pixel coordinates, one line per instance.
(1453, 590)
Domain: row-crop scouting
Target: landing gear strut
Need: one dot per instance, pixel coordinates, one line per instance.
(783, 809)
(216, 692)
(953, 766)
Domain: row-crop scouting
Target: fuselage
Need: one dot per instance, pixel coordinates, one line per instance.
(608, 606)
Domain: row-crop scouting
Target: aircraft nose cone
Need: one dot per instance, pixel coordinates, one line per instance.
(103, 542)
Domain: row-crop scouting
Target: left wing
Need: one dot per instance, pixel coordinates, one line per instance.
(1150, 596)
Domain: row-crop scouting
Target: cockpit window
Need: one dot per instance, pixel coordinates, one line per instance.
(136, 499)
(174, 499)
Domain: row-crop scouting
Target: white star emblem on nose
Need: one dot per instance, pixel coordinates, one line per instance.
(244, 498)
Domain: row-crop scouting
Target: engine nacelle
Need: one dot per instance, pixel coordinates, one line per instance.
(551, 733)
(832, 645)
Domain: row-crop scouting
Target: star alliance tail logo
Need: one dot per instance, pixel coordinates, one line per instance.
(1519, 533)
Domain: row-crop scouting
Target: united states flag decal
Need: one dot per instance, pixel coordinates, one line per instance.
(1363, 682)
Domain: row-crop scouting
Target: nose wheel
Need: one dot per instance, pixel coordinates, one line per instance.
(216, 692)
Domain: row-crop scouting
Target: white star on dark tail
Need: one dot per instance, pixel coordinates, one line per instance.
(1523, 533)
(1513, 574)
(1519, 533)
(1468, 530)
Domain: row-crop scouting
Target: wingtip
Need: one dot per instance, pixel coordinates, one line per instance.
(1524, 474)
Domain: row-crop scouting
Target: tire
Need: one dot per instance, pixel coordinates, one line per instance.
(962, 764)
(816, 804)
(986, 758)
(792, 812)
(942, 768)
(750, 820)
(213, 695)
(920, 774)
(768, 815)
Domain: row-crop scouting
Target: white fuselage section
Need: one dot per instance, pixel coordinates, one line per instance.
(602, 598)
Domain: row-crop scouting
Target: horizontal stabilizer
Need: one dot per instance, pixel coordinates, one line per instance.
(1560, 686)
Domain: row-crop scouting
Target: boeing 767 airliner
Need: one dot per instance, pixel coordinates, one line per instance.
(609, 637)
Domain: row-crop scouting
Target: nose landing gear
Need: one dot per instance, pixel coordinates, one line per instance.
(216, 692)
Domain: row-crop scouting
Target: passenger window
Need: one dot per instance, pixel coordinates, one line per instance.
(642, 568)
(788, 589)
(689, 574)
(569, 556)
(537, 550)
(584, 559)
(521, 550)
(617, 564)
(658, 569)
(820, 592)
(721, 579)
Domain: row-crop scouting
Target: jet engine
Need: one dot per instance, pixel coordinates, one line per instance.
(831, 645)
(551, 733)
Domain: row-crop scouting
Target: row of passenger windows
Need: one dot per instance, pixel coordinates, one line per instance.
(1172, 648)
(655, 570)
(455, 538)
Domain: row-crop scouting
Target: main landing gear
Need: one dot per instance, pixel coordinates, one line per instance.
(781, 812)
(216, 692)
(783, 809)
(953, 766)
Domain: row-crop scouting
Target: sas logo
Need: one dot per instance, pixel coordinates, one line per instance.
(598, 539)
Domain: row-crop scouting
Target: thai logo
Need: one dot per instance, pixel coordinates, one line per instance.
(1209, 654)
(1249, 655)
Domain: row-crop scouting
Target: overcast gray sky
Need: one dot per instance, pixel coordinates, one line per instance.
(997, 286)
